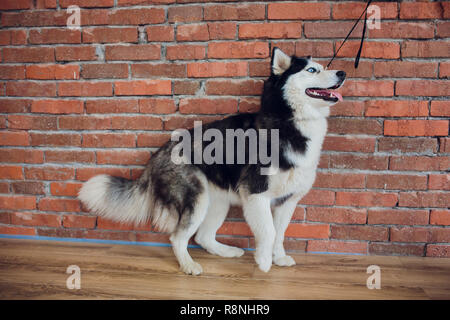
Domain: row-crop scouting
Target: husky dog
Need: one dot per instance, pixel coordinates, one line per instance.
(188, 198)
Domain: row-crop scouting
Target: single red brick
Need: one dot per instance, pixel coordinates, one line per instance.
(78, 221)
(36, 219)
(54, 35)
(298, 11)
(30, 89)
(416, 127)
(403, 30)
(352, 10)
(143, 87)
(380, 248)
(339, 143)
(85, 88)
(18, 202)
(336, 215)
(41, 54)
(428, 49)
(166, 70)
(27, 187)
(422, 87)
(152, 139)
(333, 246)
(84, 174)
(371, 49)
(354, 126)
(84, 123)
(65, 189)
(140, 16)
(49, 173)
(440, 109)
(160, 33)
(57, 139)
(15, 5)
(87, 3)
(54, 204)
(331, 29)
(12, 72)
(404, 217)
(15, 105)
(401, 69)
(235, 12)
(51, 72)
(112, 106)
(185, 14)
(364, 162)
(439, 181)
(137, 122)
(396, 182)
(270, 30)
(105, 71)
(208, 106)
(185, 87)
(222, 30)
(133, 52)
(14, 138)
(368, 88)
(366, 199)
(193, 32)
(424, 199)
(421, 10)
(339, 180)
(158, 106)
(62, 156)
(318, 197)
(234, 87)
(32, 122)
(238, 50)
(11, 172)
(349, 232)
(57, 106)
(420, 234)
(443, 29)
(216, 69)
(440, 217)
(17, 230)
(108, 140)
(21, 155)
(438, 250)
(185, 52)
(401, 145)
(133, 157)
(74, 53)
(396, 108)
(418, 163)
(306, 230)
(108, 35)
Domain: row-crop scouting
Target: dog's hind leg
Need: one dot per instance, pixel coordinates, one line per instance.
(259, 217)
(186, 228)
(282, 215)
(206, 234)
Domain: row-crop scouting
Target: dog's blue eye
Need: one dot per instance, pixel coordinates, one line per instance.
(312, 70)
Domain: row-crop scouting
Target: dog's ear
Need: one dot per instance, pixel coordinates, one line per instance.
(280, 61)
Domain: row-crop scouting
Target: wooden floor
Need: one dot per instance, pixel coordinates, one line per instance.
(31, 269)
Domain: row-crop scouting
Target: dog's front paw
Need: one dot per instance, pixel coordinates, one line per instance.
(285, 261)
(264, 262)
(192, 267)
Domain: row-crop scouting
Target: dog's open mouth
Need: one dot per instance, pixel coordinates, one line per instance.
(325, 94)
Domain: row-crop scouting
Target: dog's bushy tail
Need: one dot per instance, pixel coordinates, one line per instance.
(124, 201)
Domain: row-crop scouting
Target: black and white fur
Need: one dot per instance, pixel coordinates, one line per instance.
(188, 199)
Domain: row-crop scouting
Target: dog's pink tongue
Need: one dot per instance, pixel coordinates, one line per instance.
(337, 95)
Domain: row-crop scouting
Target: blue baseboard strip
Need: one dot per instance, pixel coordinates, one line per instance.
(135, 243)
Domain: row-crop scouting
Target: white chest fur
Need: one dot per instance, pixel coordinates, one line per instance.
(300, 179)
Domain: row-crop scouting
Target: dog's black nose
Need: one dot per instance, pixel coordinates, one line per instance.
(341, 75)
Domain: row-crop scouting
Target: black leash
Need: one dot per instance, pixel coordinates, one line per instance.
(358, 55)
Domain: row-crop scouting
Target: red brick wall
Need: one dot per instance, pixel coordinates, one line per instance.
(75, 103)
